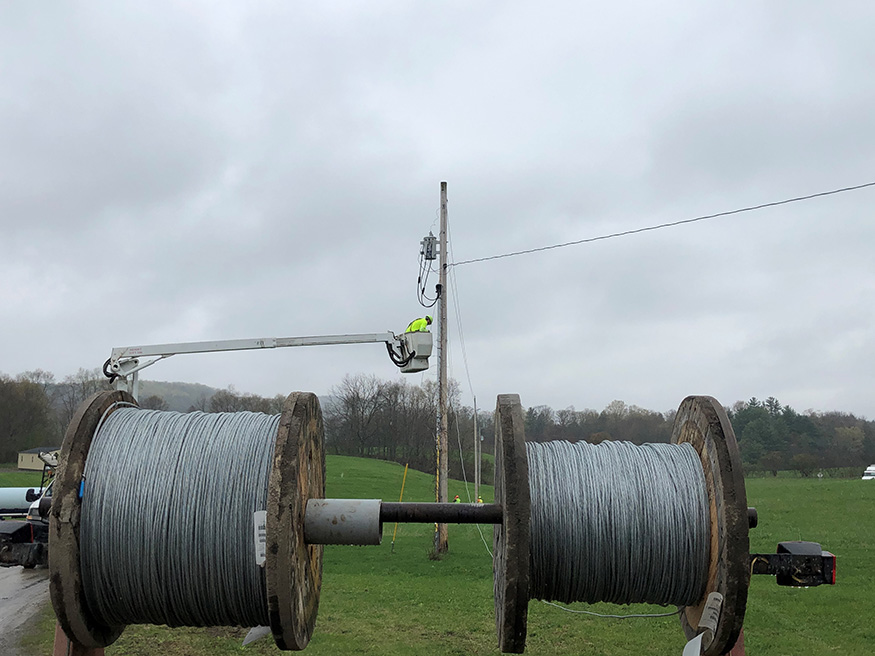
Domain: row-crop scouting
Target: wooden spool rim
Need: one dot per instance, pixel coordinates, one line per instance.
(511, 539)
(702, 422)
(293, 569)
(65, 577)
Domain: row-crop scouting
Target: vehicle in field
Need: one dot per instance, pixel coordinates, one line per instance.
(25, 541)
(869, 474)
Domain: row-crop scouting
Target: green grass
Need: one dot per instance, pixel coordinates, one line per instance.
(375, 601)
(11, 476)
(840, 514)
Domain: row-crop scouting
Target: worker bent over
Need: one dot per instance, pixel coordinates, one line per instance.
(419, 325)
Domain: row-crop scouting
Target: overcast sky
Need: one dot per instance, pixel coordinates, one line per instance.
(193, 171)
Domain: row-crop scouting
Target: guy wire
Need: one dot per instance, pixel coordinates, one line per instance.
(618, 523)
(167, 531)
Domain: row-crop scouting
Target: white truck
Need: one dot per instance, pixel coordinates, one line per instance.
(25, 542)
(869, 474)
(15, 501)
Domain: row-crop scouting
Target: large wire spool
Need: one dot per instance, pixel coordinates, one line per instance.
(583, 528)
(617, 522)
(167, 531)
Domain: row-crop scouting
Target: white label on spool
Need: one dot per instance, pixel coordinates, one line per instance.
(707, 625)
(711, 613)
(259, 518)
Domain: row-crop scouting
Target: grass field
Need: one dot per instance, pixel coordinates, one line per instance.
(11, 476)
(375, 601)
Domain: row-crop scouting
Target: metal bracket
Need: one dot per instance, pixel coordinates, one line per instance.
(797, 564)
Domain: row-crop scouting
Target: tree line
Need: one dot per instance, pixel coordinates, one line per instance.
(771, 436)
(775, 437)
(35, 408)
(395, 420)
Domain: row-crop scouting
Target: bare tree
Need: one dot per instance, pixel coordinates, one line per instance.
(45, 379)
(202, 404)
(73, 390)
(354, 424)
(153, 402)
(26, 418)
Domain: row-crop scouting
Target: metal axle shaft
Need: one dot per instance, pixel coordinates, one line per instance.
(440, 513)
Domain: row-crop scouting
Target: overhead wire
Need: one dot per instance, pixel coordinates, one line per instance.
(456, 305)
(425, 269)
(670, 224)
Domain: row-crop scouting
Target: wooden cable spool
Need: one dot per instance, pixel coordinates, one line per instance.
(293, 569)
(700, 421)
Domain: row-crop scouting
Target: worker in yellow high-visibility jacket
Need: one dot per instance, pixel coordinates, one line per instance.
(419, 325)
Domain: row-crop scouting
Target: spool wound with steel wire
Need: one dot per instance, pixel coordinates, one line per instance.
(618, 523)
(156, 520)
(621, 523)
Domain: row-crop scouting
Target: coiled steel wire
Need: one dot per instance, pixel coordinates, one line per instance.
(617, 522)
(167, 533)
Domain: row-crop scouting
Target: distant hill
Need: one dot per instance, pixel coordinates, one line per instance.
(179, 396)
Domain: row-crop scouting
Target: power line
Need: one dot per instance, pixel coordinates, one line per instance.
(455, 297)
(667, 225)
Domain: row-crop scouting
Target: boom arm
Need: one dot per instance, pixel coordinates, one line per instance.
(123, 365)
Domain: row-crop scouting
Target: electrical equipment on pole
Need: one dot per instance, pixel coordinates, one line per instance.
(429, 247)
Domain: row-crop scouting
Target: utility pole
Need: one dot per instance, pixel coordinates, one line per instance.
(442, 544)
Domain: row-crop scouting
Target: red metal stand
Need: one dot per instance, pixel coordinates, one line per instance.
(65, 647)
(738, 648)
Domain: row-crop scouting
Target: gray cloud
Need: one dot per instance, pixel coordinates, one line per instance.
(210, 171)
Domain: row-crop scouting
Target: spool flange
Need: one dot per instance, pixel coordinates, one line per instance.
(65, 583)
(511, 542)
(702, 422)
(293, 568)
